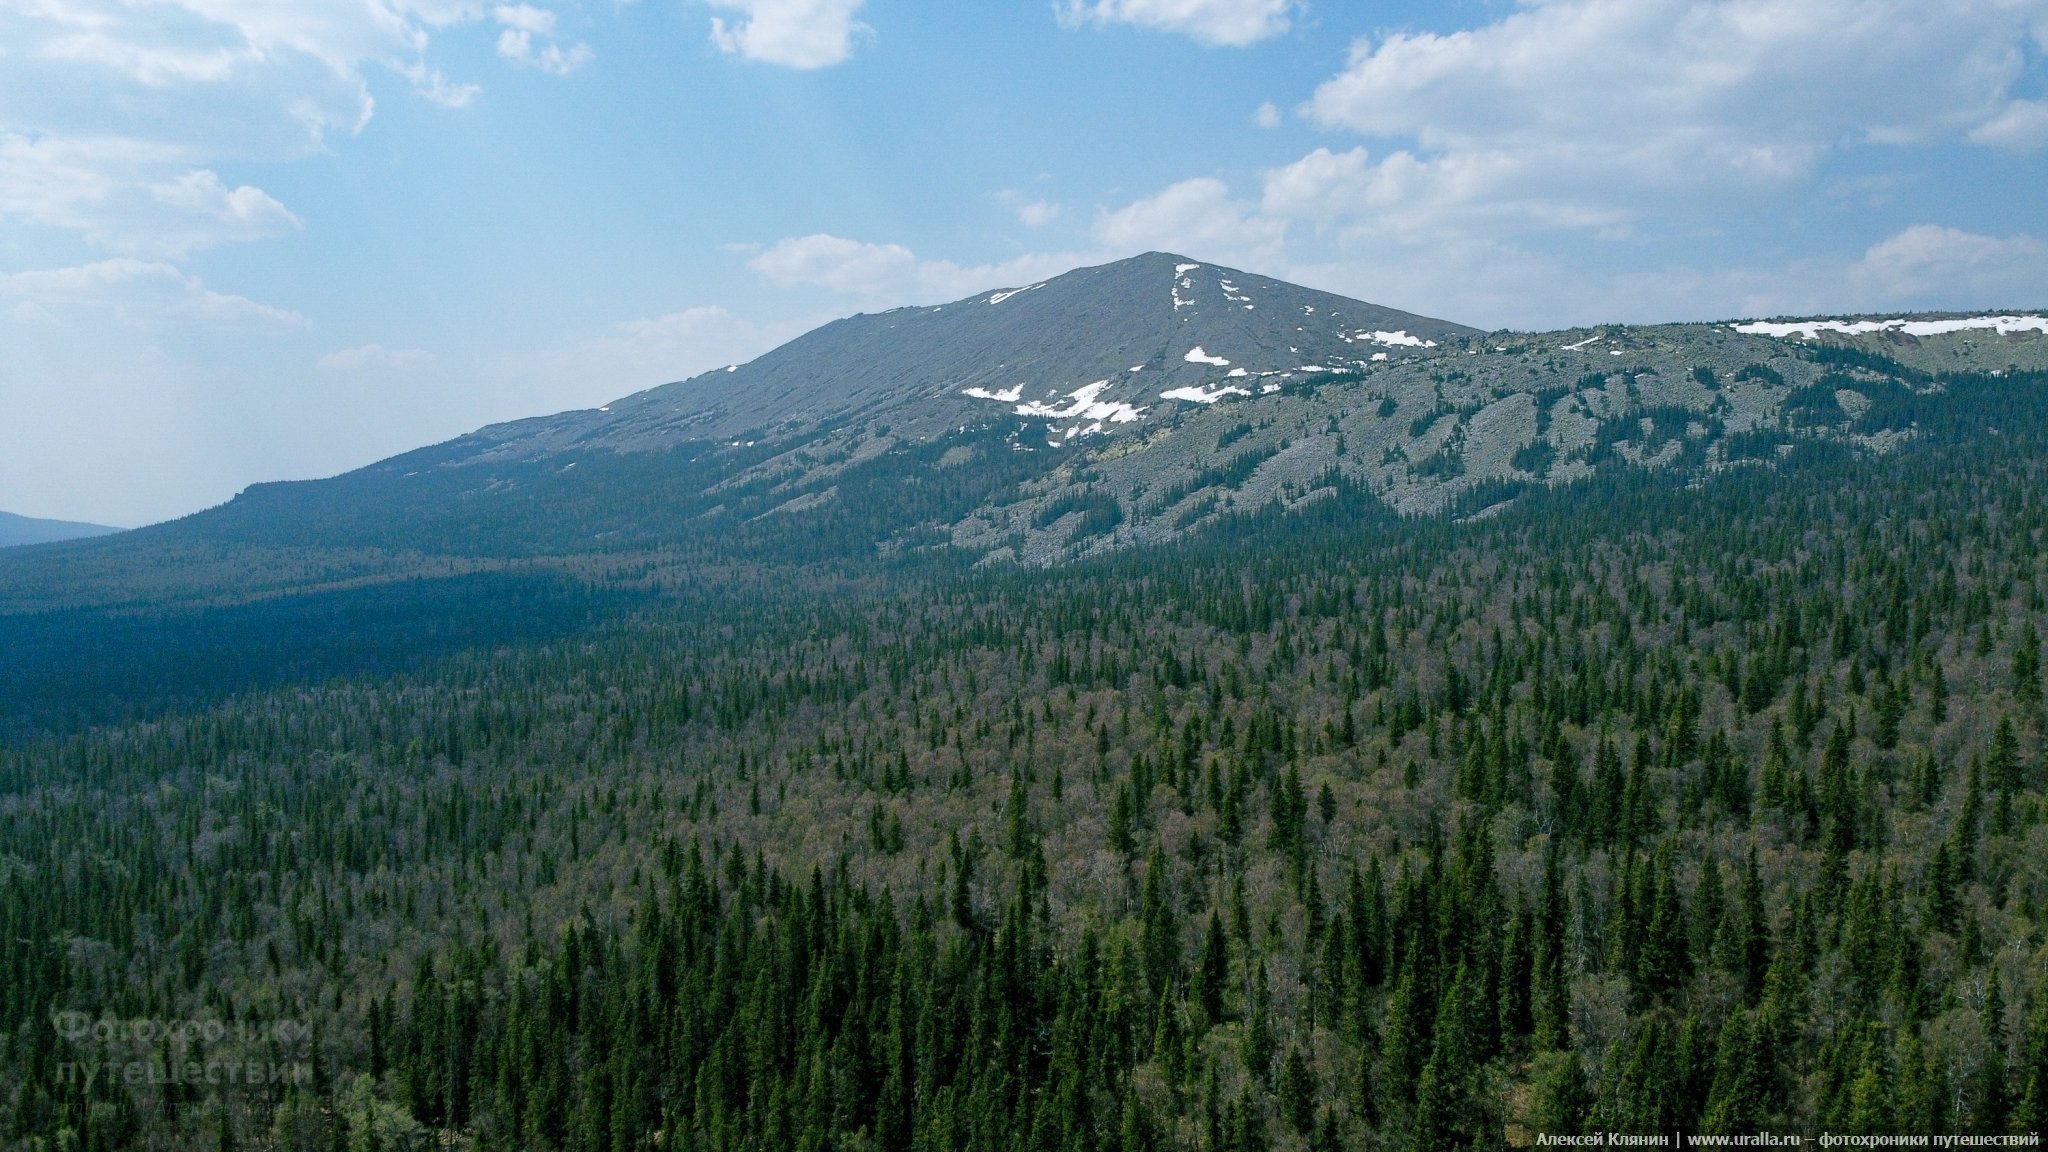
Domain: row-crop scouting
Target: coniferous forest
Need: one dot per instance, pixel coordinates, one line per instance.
(1642, 807)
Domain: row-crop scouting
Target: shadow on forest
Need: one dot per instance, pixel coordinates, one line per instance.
(78, 667)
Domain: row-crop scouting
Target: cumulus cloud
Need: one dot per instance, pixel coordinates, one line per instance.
(127, 196)
(1493, 154)
(523, 24)
(139, 292)
(1037, 213)
(1192, 216)
(376, 358)
(1762, 84)
(1267, 115)
(1196, 216)
(837, 263)
(1578, 112)
(526, 18)
(893, 274)
(793, 33)
(59, 181)
(1226, 23)
(242, 212)
(1934, 266)
(2022, 126)
(293, 71)
(116, 117)
(430, 85)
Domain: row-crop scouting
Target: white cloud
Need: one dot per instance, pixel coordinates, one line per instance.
(297, 68)
(940, 280)
(891, 274)
(1582, 113)
(1932, 266)
(837, 263)
(1427, 199)
(1267, 116)
(522, 23)
(244, 212)
(58, 182)
(376, 358)
(1230, 23)
(2022, 126)
(792, 33)
(1038, 213)
(117, 116)
(128, 196)
(139, 292)
(1324, 183)
(1762, 84)
(429, 84)
(1197, 218)
(1498, 152)
(526, 18)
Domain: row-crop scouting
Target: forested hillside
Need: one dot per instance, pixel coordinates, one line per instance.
(1648, 805)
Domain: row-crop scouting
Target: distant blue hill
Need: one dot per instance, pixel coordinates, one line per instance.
(29, 530)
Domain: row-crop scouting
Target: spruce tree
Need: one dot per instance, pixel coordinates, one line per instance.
(2032, 1074)
(1257, 1044)
(1212, 975)
(1561, 1101)
(1298, 1092)
(1551, 992)
(1991, 1105)
(1739, 1102)
(1450, 1111)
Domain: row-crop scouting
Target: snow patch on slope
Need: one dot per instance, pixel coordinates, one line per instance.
(1201, 396)
(1082, 403)
(1810, 329)
(1197, 356)
(1006, 396)
(999, 297)
(1396, 339)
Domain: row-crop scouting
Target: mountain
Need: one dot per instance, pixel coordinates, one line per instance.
(15, 530)
(1093, 346)
(1124, 405)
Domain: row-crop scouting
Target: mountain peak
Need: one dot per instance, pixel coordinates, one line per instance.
(1091, 351)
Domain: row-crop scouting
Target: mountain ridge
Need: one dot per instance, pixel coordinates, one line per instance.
(1110, 407)
(17, 530)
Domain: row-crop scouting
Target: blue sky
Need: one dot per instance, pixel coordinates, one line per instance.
(246, 240)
